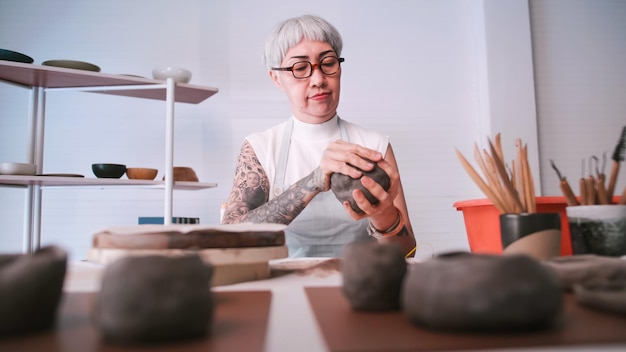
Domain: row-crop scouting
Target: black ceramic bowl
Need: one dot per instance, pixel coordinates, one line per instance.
(10, 55)
(108, 170)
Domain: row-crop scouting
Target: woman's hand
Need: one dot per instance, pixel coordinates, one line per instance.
(384, 213)
(391, 205)
(343, 157)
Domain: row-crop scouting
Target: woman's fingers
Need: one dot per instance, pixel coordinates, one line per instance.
(385, 199)
(348, 158)
(394, 177)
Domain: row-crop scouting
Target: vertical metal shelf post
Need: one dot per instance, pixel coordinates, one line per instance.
(27, 235)
(39, 146)
(170, 92)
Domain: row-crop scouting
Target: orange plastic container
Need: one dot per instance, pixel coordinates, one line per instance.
(482, 223)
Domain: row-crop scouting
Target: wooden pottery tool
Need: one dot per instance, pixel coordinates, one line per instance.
(565, 187)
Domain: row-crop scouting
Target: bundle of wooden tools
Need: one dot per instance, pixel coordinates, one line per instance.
(510, 189)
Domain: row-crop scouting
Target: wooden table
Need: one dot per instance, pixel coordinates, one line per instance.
(293, 314)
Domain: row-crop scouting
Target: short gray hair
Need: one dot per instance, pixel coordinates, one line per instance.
(291, 32)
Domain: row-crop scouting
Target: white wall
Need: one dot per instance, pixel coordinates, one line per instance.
(434, 75)
(580, 75)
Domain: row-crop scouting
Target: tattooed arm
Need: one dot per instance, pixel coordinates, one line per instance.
(244, 205)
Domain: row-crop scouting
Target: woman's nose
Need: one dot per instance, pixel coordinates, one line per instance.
(318, 78)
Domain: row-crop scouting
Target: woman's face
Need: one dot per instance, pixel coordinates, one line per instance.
(314, 99)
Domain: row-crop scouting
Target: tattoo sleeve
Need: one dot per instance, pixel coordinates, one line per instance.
(243, 207)
(284, 208)
(244, 196)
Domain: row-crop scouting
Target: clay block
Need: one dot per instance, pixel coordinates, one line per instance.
(31, 286)
(482, 292)
(588, 270)
(372, 275)
(149, 299)
(343, 185)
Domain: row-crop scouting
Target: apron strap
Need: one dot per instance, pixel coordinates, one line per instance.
(284, 152)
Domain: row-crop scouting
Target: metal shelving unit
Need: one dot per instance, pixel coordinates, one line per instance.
(42, 79)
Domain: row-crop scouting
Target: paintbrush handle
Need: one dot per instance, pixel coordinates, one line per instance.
(591, 190)
(570, 198)
(481, 184)
(583, 191)
(610, 190)
(601, 190)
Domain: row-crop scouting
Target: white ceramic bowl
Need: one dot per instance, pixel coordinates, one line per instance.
(17, 169)
(179, 75)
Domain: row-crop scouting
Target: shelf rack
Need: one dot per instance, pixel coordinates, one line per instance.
(42, 79)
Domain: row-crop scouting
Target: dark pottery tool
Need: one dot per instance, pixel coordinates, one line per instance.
(618, 156)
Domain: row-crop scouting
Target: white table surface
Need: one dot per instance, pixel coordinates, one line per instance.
(292, 325)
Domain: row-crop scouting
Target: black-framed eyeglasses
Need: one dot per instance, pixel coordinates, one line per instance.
(329, 65)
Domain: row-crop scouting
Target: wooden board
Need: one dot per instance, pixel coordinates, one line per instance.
(180, 236)
(240, 324)
(347, 330)
(215, 256)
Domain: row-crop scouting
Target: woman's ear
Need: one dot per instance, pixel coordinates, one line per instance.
(276, 79)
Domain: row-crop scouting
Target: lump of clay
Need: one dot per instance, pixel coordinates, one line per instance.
(482, 292)
(609, 298)
(588, 270)
(31, 286)
(373, 275)
(148, 299)
(343, 185)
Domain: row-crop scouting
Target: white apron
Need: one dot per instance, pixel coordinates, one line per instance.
(323, 228)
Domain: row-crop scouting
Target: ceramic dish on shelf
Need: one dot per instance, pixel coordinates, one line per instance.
(10, 55)
(185, 174)
(104, 170)
(77, 65)
(17, 169)
(179, 75)
(61, 175)
(141, 173)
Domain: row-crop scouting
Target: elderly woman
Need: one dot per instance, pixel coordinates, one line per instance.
(295, 159)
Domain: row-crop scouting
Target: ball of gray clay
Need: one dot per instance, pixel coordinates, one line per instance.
(148, 299)
(482, 292)
(31, 286)
(343, 185)
(373, 275)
